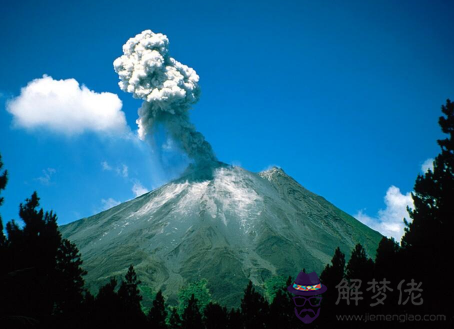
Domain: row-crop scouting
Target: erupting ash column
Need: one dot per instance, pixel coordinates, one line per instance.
(168, 89)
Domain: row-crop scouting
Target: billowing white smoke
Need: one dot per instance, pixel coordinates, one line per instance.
(168, 88)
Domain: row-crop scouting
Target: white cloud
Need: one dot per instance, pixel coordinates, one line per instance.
(105, 166)
(65, 107)
(121, 170)
(109, 203)
(389, 221)
(138, 189)
(47, 176)
(428, 164)
(124, 171)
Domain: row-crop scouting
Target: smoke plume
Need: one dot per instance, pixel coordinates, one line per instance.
(168, 89)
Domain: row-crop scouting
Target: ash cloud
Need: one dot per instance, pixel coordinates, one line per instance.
(168, 89)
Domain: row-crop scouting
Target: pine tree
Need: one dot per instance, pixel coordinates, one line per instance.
(235, 319)
(360, 266)
(44, 273)
(216, 317)
(3, 181)
(334, 272)
(387, 260)
(331, 276)
(32, 253)
(3, 240)
(254, 308)
(158, 313)
(427, 243)
(281, 311)
(129, 291)
(69, 283)
(107, 306)
(174, 321)
(192, 319)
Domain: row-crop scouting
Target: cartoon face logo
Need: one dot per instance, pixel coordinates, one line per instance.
(307, 290)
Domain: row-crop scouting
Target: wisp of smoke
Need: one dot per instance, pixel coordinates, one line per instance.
(168, 89)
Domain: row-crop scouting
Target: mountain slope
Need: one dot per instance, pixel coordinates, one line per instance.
(221, 223)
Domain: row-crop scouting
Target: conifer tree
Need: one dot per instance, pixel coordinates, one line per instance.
(334, 272)
(387, 260)
(427, 243)
(130, 298)
(129, 291)
(158, 313)
(192, 319)
(235, 319)
(254, 308)
(3, 181)
(331, 276)
(107, 306)
(174, 321)
(359, 266)
(216, 317)
(69, 282)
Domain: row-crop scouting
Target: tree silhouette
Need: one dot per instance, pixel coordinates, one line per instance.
(216, 317)
(387, 260)
(427, 243)
(3, 240)
(158, 313)
(32, 254)
(192, 319)
(174, 320)
(130, 298)
(42, 274)
(331, 276)
(69, 282)
(359, 266)
(235, 319)
(254, 308)
(3, 181)
(281, 309)
(107, 306)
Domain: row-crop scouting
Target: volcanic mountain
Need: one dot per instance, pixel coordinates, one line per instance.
(221, 223)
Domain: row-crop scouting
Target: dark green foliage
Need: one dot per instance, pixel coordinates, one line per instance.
(273, 285)
(200, 291)
(387, 261)
(216, 317)
(359, 266)
(107, 306)
(282, 309)
(330, 277)
(130, 298)
(69, 282)
(32, 252)
(427, 243)
(41, 274)
(3, 240)
(192, 319)
(158, 313)
(129, 292)
(235, 319)
(334, 272)
(174, 321)
(254, 308)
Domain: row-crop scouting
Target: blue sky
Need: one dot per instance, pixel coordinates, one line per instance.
(343, 95)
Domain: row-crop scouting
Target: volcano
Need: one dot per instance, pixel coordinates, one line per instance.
(220, 223)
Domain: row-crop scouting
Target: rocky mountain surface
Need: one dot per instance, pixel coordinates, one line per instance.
(220, 223)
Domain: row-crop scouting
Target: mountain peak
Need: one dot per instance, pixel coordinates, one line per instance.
(217, 221)
(273, 173)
